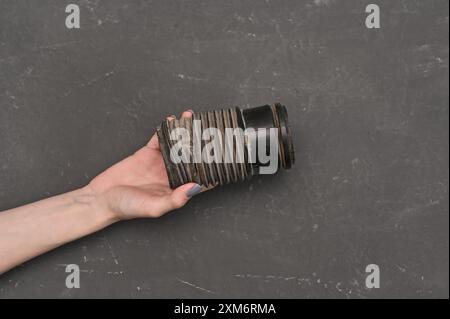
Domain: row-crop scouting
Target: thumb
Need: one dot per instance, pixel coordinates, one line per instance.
(183, 193)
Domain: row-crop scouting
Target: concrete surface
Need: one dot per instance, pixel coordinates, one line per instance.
(369, 113)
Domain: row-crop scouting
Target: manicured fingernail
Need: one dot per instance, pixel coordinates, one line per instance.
(194, 190)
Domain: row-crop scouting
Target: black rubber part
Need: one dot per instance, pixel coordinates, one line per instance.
(261, 118)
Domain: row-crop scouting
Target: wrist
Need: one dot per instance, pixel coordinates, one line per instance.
(97, 204)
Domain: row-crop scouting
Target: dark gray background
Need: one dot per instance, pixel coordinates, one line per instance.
(368, 109)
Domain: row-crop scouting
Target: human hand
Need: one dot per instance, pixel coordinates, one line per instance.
(138, 186)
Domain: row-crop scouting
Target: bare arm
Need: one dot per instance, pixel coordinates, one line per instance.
(33, 229)
(135, 187)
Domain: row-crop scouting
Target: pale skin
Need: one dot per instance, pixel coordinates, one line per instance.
(135, 187)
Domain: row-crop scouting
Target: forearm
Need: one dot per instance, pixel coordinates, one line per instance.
(33, 229)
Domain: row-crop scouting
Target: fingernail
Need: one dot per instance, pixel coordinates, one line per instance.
(194, 190)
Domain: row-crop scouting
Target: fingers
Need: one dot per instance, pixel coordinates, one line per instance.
(183, 193)
(173, 200)
(157, 205)
(153, 143)
(187, 113)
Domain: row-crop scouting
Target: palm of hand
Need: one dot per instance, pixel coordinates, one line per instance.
(138, 186)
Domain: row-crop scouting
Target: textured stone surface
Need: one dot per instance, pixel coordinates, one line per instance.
(369, 113)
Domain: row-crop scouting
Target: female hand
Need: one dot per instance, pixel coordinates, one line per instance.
(138, 186)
